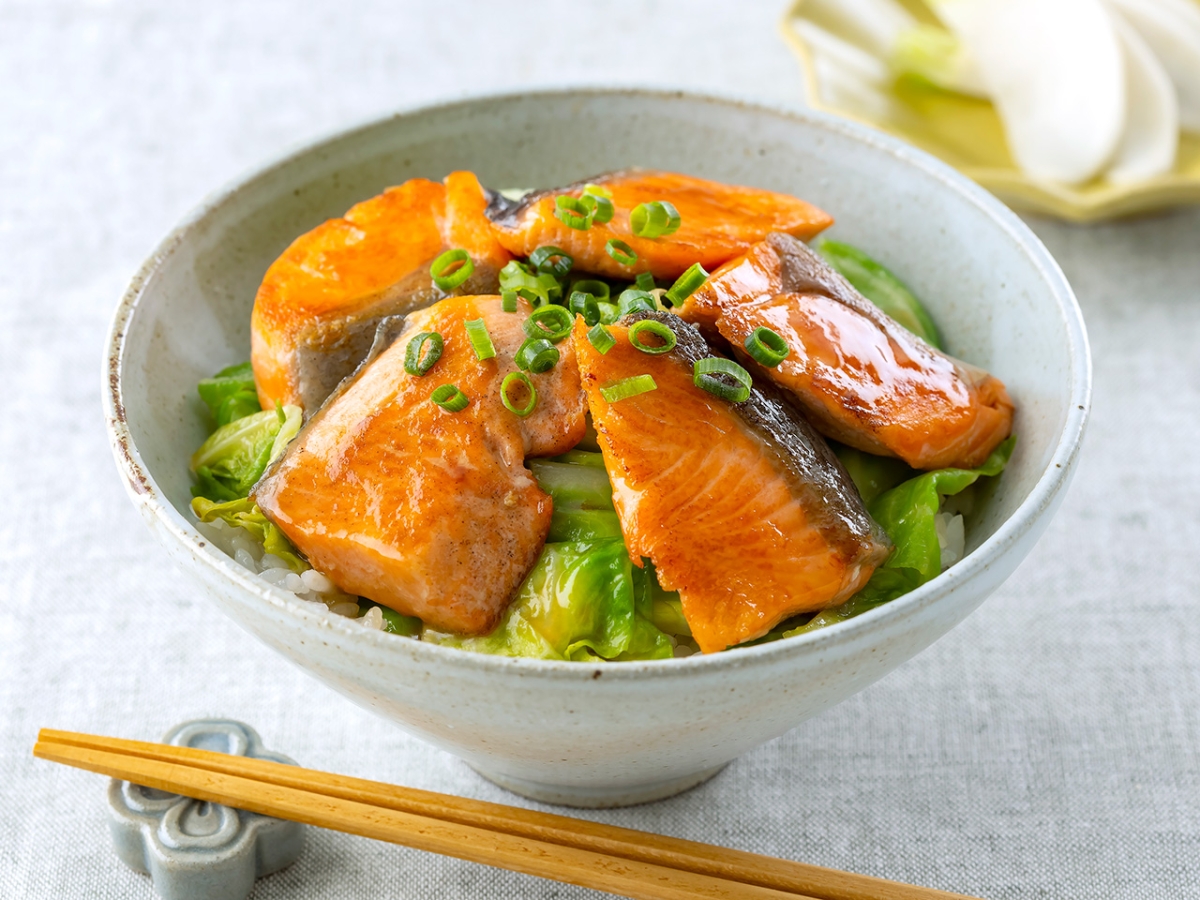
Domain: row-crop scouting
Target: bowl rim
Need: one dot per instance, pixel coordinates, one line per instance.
(148, 497)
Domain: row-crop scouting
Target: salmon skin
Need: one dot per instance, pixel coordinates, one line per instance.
(860, 377)
(429, 512)
(718, 222)
(316, 310)
(741, 507)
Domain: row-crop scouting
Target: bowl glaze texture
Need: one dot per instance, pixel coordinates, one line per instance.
(619, 733)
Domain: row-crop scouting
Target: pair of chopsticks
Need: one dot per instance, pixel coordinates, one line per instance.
(622, 861)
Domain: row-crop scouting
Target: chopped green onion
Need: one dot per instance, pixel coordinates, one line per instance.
(599, 207)
(537, 355)
(574, 212)
(632, 300)
(627, 387)
(480, 340)
(446, 274)
(609, 312)
(533, 286)
(551, 260)
(584, 304)
(509, 380)
(597, 190)
(621, 252)
(550, 322)
(595, 287)
(550, 286)
(414, 363)
(508, 301)
(645, 282)
(601, 338)
(654, 220)
(659, 330)
(707, 372)
(449, 398)
(766, 347)
(687, 284)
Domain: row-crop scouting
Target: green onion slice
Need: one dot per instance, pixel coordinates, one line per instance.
(552, 260)
(508, 301)
(574, 212)
(518, 378)
(414, 362)
(550, 286)
(584, 304)
(659, 330)
(621, 252)
(521, 279)
(632, 300)
(449, 398)
(480, 340)
(707, 374)
(550, 322)
(609, 312)
(594, 286)
(599, 207)
(627, 387)
(601, 338)
(654, 220)
(537, 355)
(766, 347)
(687, 284)
(597, 190)
(645, 282)
(451, 269)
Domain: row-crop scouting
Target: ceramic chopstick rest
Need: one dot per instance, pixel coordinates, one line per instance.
(201, 851)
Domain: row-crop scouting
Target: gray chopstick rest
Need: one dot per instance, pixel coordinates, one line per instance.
(201, 851)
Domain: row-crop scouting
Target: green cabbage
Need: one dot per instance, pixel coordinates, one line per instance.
(244, 513)
(230, 394)
(907, 513)
(234, 457)
(393, 622)
(582, 495)
(581, 602)
(881, 287)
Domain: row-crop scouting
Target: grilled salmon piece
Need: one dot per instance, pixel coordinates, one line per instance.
(860, 377)
(718, 222)
(741, 507)
(429, 512)
(319, 303)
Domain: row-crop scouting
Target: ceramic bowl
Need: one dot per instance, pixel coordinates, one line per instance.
(620, 733)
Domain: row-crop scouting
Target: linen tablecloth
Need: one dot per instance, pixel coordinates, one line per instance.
(1048, 747)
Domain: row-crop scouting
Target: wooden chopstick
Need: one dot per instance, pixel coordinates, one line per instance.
(724, 868)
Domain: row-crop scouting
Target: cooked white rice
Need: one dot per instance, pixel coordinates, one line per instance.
(308, 587)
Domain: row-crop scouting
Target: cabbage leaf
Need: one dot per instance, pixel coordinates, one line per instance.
(234, 457)
(230, 394)
(877, 283)
(244, 513)
(907, 513)
(581, 602)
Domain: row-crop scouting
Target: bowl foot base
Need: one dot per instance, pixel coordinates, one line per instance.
(599, 797)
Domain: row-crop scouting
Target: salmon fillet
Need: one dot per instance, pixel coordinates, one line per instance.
(741, 507)
(718, 222)
(429, 512)
(860, 377)
(316, 311)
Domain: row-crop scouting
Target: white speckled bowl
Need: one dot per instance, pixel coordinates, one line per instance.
(630, 732)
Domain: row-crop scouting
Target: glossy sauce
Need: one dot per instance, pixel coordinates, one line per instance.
(429, 512)
(718, 222)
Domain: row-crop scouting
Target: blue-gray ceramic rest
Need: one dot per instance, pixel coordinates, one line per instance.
(201, 851)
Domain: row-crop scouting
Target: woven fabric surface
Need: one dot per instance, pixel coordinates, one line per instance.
(1048, 747)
